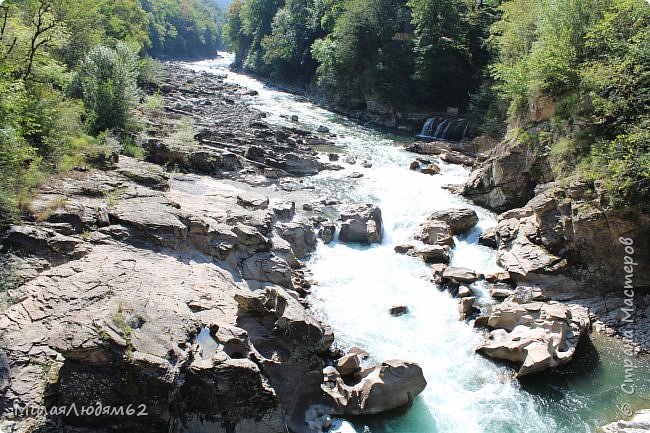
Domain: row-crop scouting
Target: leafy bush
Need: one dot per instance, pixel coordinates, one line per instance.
(108, 82)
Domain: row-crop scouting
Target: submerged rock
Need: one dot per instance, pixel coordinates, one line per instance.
(398, 310)
(389, 385)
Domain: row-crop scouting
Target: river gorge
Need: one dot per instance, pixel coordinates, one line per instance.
(356, 285)
(202, 282)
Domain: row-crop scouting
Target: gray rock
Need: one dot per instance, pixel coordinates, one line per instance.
(462, 275)
(389, 385)
(284, 210)
(535, 336)
(267, 267)
(488, 238)
(435, 232)
(348, 364)
(252, 201)
(301, 237)
(361, 224)
(433, 253)
(403, 249)
(327, 232)
(466, 306)
(460, 220)
(250, 240)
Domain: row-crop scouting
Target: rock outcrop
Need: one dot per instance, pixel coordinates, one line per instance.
(389, 385)
(570, 246)
(114, 311)
(460, 220)
(639, 423)
(361, 224)
(507, 179)
(535, 336)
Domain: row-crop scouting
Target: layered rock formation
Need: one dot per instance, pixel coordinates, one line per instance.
(563, 239)
(389, 385)
(535, 336)
(114, 314)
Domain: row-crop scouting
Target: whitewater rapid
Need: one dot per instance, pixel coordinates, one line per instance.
(356, 285)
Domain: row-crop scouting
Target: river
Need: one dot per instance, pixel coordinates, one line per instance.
(355, 286)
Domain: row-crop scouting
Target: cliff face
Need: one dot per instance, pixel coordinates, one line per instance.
(559, 233)
(560, 238)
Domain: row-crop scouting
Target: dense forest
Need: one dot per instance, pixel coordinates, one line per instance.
(70, 73)
(491, 58)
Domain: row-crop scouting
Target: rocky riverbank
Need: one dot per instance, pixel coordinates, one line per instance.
(177, 286)
(559, 240)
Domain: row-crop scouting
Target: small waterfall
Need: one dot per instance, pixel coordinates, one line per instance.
(444, 128)
(439, 128)
(428, 126)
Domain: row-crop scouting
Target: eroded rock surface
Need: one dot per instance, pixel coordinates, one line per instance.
(112, 311)
(535, 336)
(361, 224)
(389, 385)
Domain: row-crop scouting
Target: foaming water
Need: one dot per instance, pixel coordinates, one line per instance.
(356, 285)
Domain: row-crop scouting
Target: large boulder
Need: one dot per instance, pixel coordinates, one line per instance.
(361, 224)
(460, 220)
(435, 232)
(301, 237)
(461, 275)
(433, 253)
(488, 238)
(389, 385)
(535, 336)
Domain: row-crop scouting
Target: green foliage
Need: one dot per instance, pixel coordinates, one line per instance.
(107, 79)
(593, 57)
(617, 76)
(540, 46)
(54, 52)
(183, 28)
(421, 54)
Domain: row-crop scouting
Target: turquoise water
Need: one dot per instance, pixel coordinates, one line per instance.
(356, 285)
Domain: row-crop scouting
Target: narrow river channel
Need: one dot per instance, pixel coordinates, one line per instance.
(356, 285)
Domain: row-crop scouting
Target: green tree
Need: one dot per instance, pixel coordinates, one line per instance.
(618, 78)
(107, 79)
